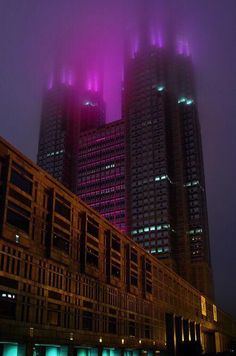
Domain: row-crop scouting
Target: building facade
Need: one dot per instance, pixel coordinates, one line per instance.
(92, 110)
(163, 206)
(166, 201)
(100, 178)
(72, 284)
(59, 124)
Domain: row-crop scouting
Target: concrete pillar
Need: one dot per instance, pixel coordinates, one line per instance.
(217, 342)
(170, 334)
(178, 332)
(192, 331)
(198, 332)
(70, 350)
(100, 348)
(122, 351)
(29, 348)
(186, 330)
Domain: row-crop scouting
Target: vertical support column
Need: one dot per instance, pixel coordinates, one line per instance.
(29, 348)
(186, 330)
(70, 350)
(202, 338)
(170, 335)
(217, 342)
(198, 332)
(192, 331)
(100, 349)
(178, 332)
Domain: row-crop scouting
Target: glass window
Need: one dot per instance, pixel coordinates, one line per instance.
(18, 220)
(21, 182)
(87, 321)
(60, 243)
(62, 210)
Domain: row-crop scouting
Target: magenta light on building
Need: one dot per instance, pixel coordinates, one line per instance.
(145, 172)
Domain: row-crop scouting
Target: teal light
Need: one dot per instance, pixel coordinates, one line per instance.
(151, 228)
(105, 352)
(189, 102)
(185, 100)
(94, 352)
(190, 184)
(182, 100)
(51, 351)
(162, 177)
(160, 88)
(195, 231)
(81, 352)
(10, 350)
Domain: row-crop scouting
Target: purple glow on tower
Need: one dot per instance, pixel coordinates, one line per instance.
(157, 39)
(92, 83)
(63, 76)
(135, 46)
(153, 38)
(187, 49)
(89, 84)
(160, 40)
(50, 82)
(122, 75)
(70, 78)
(180, 46)
(95, 83)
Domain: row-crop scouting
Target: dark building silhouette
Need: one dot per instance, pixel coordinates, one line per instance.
(92, 110)
(150, 162)
(166, 201)
(59, 124)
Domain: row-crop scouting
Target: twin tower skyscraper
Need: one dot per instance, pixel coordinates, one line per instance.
(145, 171)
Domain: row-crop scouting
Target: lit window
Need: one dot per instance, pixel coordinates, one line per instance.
(89, 103)
(203, 306)
(160, 88)
(189, 101)
(182, 100)
(162, 177)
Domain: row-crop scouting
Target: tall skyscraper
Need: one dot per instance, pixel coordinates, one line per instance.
(144, 173)
(59, 124)
(66, 112)
(166, 202)
(81, 151)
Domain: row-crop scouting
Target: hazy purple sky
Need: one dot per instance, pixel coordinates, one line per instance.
(33, 31)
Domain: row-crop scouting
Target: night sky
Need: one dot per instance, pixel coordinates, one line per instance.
(33, 33)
